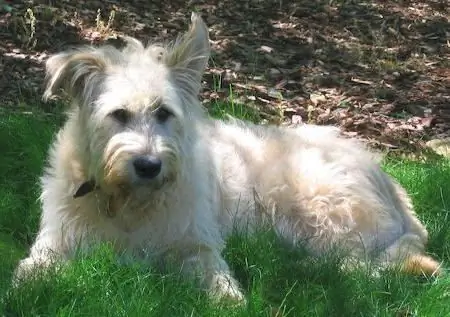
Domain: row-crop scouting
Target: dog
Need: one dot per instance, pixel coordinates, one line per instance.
(139, 164)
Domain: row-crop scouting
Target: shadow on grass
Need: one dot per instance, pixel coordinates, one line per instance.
(24, 140)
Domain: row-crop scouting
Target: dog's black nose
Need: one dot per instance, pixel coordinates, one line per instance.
(147, 166)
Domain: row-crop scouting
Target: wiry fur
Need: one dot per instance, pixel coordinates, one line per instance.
(313, 186)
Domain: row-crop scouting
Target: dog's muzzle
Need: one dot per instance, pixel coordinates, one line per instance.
(146, 168)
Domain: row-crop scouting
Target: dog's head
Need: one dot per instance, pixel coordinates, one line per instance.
(134, 106)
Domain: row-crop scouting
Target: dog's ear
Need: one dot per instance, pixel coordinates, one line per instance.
(77, 72)
(189, 54)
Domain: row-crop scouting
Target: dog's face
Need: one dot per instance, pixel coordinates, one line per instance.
(136, 105)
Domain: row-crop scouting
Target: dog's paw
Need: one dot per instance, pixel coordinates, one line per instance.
(27, 268)
(225, 288)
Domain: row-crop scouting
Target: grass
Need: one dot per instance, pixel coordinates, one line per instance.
(278, 281)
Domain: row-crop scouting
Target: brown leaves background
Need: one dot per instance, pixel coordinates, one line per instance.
(378, 69)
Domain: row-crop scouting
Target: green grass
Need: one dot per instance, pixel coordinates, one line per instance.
(272, 275)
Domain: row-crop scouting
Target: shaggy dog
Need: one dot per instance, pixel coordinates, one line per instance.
(140, 165)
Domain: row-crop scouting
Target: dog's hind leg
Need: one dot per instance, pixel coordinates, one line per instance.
(408, 251)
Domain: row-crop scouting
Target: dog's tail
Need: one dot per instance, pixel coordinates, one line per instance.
(421, 264)
(408, 255)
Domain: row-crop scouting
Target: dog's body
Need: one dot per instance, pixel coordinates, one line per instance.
(156, 177)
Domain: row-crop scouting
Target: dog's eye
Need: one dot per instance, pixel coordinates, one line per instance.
(162, 114)
(121, 115)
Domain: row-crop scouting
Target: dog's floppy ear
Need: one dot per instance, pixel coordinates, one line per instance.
(78, 72)
(188, 56)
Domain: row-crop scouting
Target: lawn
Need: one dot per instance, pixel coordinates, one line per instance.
(277, 281)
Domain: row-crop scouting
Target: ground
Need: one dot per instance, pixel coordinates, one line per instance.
(378, 69)
(277, 281)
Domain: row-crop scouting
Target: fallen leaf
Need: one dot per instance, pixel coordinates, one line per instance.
(266, 49)
(360, 81)
(317, 98)
(274, 93)
(440, 146)
(427, 121)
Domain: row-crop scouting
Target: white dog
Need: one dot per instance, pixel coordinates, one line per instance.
(140, 165)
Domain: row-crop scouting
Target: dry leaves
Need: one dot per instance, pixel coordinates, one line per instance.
(379, 71)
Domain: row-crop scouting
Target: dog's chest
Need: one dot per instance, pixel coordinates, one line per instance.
(140, 227)
(131, 216)
(133, 235)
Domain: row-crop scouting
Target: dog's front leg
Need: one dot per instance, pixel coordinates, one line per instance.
(46, 250)
(215, 276)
